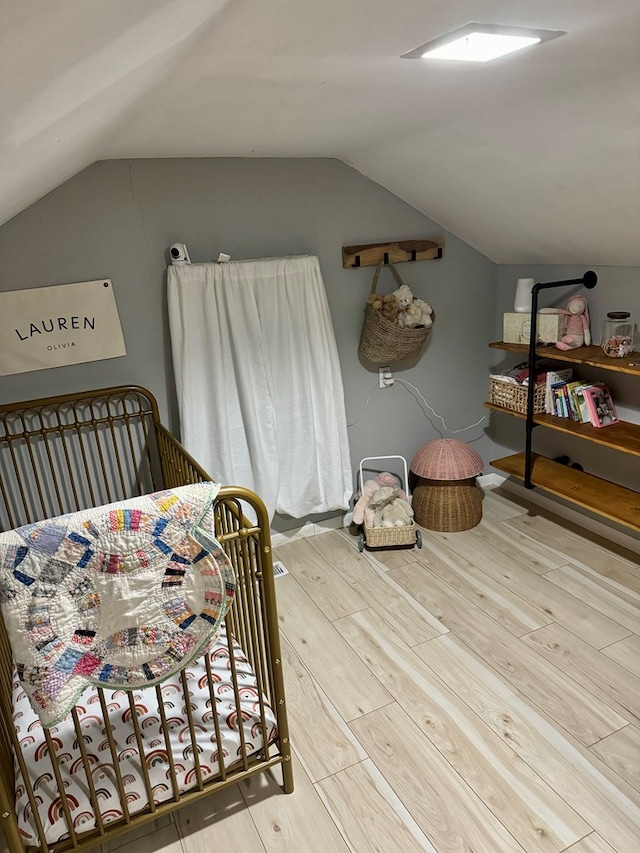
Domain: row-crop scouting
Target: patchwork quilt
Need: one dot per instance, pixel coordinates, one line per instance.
(122, 595)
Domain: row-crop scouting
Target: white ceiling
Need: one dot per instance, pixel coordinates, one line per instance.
(533, 158)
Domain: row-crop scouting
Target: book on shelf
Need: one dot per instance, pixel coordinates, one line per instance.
(568, 400)
(602, 410)
(567, 411)
(584, 415)
(555, 377)
(573, 401)
(558, 400)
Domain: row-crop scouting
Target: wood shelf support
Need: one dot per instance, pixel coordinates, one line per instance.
(399, 252)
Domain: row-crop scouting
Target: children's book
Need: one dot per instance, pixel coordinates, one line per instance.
(573, 401)
(601, 408)
(553, 378)
(581, 403)
(566, 402)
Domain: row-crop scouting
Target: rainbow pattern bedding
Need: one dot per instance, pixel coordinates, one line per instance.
(247, 726)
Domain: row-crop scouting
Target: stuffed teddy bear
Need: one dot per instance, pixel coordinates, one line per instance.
(412, 311)
(426, 310)
(403, 296)
(375, 301)
(389, 307)
(578, 333)
(409, 317)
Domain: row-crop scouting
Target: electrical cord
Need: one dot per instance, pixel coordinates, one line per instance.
(362, 410)
(423, 400)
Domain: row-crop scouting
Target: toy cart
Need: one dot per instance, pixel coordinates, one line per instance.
(388, 537)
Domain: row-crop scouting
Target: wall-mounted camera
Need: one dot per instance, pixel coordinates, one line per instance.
(179, 254)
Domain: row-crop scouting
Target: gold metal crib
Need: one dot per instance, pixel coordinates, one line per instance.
(67, 453)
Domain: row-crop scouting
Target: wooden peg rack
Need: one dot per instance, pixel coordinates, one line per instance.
(371, 254)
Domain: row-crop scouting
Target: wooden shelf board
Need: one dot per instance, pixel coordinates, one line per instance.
(623, 436)
(599, 496)
(591, 356)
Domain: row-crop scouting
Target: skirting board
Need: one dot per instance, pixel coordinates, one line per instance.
(311, 529)
(534, 496)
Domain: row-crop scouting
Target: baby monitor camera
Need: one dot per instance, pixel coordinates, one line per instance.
(179, 254)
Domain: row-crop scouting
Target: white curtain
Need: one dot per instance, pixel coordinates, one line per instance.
(258, 380)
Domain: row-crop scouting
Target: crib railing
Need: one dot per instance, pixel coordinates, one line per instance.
(68, 453)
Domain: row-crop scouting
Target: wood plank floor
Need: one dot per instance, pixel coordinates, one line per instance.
(481, 695)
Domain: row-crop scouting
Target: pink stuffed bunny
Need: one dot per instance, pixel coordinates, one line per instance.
(362, 506)
(578, 333)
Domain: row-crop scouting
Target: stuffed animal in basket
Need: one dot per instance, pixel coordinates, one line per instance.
(412, 312)
(375, 301)
(397, 514)
(426, 318)
(403, 296)
(379, 500)
(388, 479)
(578, 333)
(410, 317)
(389, 509)
(390, 307)
(363, 513)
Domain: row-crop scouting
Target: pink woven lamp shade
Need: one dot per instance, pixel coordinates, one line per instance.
(447, 459)
(446, 497)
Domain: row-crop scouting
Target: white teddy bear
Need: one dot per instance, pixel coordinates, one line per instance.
(426, 311)
(404, 296)
(410, 317)
(412, 311)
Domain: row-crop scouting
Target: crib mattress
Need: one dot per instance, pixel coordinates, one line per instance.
(35, 751)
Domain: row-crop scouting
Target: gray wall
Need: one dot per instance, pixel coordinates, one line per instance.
(618, 289)
(117, 218)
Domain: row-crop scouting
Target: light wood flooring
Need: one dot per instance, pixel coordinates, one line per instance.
(479, 695)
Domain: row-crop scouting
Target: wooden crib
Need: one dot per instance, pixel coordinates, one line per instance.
(67, 453)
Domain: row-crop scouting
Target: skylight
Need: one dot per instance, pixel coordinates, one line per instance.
(481, 43)
(479, 47)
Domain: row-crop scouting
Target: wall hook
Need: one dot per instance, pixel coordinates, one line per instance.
(372, 254)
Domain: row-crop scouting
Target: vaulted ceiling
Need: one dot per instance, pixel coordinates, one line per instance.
(533, 158)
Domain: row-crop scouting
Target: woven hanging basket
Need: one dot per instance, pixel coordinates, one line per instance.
(448, 506)
(381, 340)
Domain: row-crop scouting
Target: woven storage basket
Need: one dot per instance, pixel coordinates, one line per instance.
(382, 341)
(384, 537)
(510, 396)
(448, 506)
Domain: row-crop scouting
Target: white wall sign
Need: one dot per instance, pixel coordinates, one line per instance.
(53, 326)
